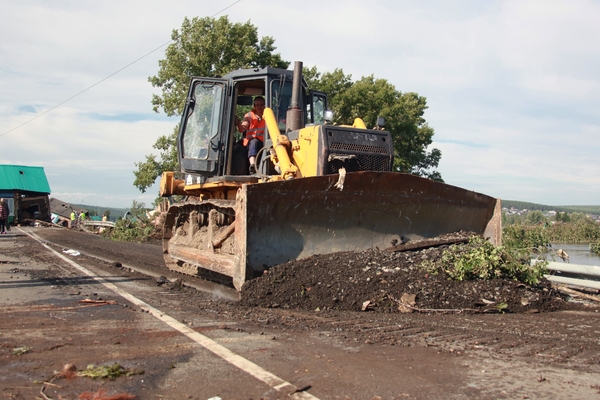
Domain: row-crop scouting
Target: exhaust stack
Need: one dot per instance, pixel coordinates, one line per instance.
(294, 113)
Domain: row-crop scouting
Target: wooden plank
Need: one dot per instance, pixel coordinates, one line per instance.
(425, 243)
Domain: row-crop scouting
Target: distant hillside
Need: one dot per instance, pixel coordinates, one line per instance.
(521, 205)
(115, 213)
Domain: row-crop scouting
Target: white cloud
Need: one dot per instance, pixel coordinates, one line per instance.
(511, 85)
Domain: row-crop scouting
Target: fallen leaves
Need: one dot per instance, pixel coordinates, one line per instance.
(17, 351)
(407, 303)
(108, 371)
(69, 371)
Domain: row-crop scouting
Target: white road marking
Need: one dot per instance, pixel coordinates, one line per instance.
(245, 365)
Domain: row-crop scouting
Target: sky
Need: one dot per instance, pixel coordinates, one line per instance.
(512, 86)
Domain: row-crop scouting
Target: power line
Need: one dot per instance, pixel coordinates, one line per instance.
(109, 76)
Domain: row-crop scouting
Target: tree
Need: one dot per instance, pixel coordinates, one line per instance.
(369, 98)
(535, 217)
(202, 47)
(511, 219)
(577, 217)
(147, 171)
(332, 83)
(562, 217)
(138, 209)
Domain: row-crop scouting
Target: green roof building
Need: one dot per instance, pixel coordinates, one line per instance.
(24, 179)
(25, 190)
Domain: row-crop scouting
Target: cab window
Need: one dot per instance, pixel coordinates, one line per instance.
(281, 95)
(203, 123)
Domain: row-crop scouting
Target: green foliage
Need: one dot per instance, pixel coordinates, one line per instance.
(579, 230)
(535, 217)
(369, 98)
(524, 237)
(147, 171)
(108, 371)
(595, 247)
(562, 217)
(534, 229)
(478, 262)
(479, 259)
(136, 228)
(576, 217)
(126, 230)
(512, 219)
(208, 47)
(333, 83)
(138, 209)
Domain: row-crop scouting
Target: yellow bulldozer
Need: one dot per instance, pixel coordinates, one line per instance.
(319, 188)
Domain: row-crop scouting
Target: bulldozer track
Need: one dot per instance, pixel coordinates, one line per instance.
(177, 222)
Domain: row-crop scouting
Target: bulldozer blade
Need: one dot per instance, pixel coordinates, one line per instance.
(286, 220)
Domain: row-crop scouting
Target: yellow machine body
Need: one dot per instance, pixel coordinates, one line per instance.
(320, 189)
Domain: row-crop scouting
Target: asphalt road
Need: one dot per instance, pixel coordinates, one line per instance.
(60, 308)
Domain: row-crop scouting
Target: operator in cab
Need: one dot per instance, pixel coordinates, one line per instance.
(253, 125)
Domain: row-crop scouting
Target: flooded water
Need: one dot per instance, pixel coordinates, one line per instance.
(578, 254)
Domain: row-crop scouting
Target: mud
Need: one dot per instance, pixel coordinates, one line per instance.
(542, 345)
(345, 281)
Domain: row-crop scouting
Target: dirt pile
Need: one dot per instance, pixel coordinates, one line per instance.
(392, 282)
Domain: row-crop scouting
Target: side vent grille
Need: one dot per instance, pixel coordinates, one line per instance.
(352, 148)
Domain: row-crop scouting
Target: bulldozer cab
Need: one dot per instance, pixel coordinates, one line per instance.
(209, 143)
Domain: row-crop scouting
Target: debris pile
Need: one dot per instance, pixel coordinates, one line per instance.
(385, 281)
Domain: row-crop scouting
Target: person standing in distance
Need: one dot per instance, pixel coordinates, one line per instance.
(254, 126)
(4, 211)
(73, 217)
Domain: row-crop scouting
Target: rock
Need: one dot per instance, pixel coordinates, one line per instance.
(161, 280)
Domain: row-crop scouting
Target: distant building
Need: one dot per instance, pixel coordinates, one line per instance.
(61, 211)
(26, 191)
